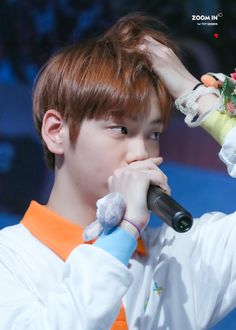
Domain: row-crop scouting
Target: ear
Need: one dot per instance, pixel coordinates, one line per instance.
(53, 131)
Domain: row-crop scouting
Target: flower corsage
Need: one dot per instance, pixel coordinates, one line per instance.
(227, 87)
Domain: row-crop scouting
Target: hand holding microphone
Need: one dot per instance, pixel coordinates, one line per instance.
(142, 184)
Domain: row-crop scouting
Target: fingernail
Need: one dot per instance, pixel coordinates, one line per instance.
(142, 47)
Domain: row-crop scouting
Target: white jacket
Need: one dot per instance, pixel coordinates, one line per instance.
(187, 281)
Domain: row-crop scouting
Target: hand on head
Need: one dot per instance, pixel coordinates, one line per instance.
(166, 64)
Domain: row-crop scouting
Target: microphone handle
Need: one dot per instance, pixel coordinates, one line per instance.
(171, 212)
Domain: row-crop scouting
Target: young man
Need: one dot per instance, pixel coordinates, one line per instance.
(100, 108)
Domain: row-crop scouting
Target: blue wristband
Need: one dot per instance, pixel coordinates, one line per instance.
(119, 243)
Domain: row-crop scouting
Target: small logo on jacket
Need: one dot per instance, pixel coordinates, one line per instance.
(158, 289)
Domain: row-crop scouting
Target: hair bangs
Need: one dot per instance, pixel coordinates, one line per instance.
(107, 88)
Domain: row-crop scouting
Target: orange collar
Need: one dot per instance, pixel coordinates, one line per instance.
(56, 232)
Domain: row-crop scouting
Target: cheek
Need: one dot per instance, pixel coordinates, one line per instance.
(96, 159)
(104, 164)
(95, 173)
(97, 164)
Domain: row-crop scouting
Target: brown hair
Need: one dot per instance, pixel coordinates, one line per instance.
(101, 77)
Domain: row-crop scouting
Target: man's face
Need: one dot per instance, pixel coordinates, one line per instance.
(103, 146)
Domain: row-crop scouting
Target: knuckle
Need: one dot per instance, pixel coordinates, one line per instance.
(150, 164)
(117, 172)
(168, 50)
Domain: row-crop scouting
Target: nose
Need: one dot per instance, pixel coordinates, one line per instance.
(136, 150)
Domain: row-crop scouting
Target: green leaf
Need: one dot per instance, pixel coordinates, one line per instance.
(228, 87)
(233, 99)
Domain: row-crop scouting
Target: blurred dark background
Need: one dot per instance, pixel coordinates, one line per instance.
(31, 30)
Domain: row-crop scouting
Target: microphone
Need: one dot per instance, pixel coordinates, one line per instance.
(172, 213)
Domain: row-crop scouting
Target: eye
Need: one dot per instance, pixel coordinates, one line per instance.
(120, 130)
(155, 136)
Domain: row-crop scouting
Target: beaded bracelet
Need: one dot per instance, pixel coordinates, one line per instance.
(196, 86)
(132, 223)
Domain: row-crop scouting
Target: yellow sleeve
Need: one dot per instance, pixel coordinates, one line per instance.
(218, 124)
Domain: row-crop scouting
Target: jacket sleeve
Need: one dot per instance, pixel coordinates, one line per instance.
(214, 256)
(214, 261)
(222, 128)
(94, 305)
(228, 152)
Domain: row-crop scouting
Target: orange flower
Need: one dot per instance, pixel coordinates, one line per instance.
(210, 81)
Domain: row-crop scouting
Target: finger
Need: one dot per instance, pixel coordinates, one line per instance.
(150, 163)
(142, 47)
(155, 47)
(157, 160)
(148, 40)
(158, 178)
(161, 177)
